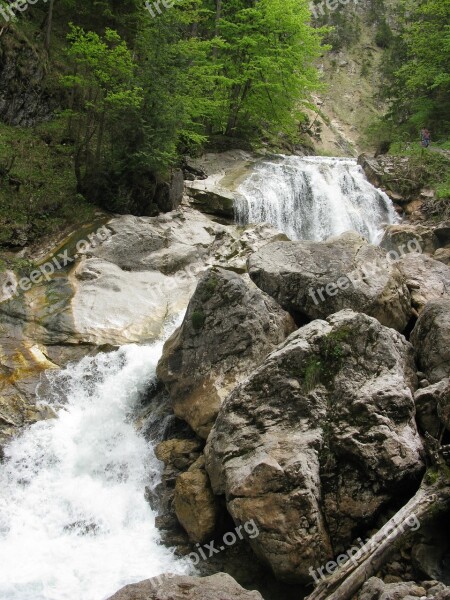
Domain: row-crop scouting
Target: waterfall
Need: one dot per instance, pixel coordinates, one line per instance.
(73, 519)
(313, 198)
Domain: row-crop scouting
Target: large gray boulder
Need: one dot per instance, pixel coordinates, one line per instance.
(402, 238)
(433, 407)
(427, 279)
(431, 340)
(171, 587)
(165, 243)
(211, 198)
(229, 328)
(316, 279)
(317, 440)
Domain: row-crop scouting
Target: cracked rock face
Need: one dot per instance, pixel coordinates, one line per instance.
(433, 407)
(317, 279)
(431, 340)
(427, 279)
(318, 439)
(230, 326)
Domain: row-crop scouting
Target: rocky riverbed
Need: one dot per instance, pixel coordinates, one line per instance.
(301, 392)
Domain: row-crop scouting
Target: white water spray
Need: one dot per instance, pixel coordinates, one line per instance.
(73, 519)
(314, 198)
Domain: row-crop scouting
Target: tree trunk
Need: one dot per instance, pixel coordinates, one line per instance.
(101, 130)
(348, 579)
(216, 25)
(238, 96)
(48, 32)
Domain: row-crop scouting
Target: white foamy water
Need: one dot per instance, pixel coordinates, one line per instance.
(314, 198)
(74, 523)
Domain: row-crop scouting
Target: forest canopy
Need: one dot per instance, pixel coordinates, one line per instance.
(141, 95)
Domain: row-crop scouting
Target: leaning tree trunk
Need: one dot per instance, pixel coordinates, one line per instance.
(430, 499)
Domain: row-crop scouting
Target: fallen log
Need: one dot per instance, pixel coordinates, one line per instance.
(432, 498)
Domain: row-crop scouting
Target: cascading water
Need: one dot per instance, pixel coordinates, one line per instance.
(74, 522)
(313, 198)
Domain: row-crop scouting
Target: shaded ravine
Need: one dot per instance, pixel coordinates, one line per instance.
(74, 522)
(313, 198)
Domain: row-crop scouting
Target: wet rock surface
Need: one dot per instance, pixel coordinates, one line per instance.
(124, 289)
(21, 367)
(314, 436)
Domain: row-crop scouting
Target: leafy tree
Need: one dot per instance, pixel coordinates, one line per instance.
(143, 91)
(425, 74)
(178, 73)
(103, 92)
(383, 35)
(266, 52)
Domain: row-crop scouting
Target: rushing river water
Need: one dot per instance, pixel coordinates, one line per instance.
(313, 198)
(74, 523)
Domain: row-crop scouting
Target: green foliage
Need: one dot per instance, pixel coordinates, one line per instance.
(443, 189)
(209, 288)
(427, 168)
(437, 473)
(198, 319)
(266, 51)
(383, 35)
(346, 30)
(138, 92)
(197, 70)
(417, 69)
(311, 373)
(179, 78)
(365, 68)
(37, 184)
(103, 98)
(322, 367)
